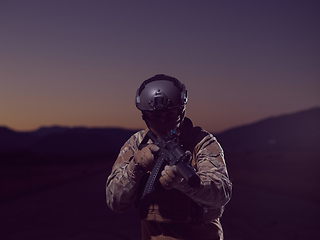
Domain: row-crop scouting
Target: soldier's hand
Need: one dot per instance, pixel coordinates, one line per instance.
(145, 158)
(170, 177)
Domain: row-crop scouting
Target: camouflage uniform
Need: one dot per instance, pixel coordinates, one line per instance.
(181, 213)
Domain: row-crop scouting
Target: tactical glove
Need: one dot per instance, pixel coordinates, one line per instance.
(170, 177)
(144, 157)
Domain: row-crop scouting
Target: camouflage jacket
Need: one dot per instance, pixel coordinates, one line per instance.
(204, 203)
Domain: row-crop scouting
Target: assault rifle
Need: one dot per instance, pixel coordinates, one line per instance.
(170, 153)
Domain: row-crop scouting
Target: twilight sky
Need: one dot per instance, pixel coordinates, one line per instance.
(79, 63)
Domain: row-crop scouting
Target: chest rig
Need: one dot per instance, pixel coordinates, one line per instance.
(172, 206)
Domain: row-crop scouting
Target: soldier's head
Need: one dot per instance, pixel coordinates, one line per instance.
(162, 100)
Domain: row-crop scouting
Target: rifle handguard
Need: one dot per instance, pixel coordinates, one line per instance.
(171, 153)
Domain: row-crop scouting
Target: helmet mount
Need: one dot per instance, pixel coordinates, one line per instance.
(160, 101)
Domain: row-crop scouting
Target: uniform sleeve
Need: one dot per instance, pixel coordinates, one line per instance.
(123, 182)
(215, 190)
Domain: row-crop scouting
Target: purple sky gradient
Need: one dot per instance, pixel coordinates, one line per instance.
(79, 63)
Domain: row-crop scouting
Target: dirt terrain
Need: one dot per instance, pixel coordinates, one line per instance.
(68, 202)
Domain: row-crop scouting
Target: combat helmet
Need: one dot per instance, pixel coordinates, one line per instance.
(161, 93)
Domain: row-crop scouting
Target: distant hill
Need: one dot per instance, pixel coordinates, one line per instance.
(61, 144)
(81, 140)
(292, 132)
(12, 141)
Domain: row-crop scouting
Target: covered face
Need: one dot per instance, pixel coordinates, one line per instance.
(162, 122)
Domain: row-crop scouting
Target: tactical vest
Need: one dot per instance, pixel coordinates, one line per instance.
(172, 206)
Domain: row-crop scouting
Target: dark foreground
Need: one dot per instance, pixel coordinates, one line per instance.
(76, 210)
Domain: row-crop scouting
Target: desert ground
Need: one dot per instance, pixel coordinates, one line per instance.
(68, 202)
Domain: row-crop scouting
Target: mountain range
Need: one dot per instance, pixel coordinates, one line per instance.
(298, 131)
(290, 132)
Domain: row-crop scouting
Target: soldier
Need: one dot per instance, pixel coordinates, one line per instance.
(175, 210)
